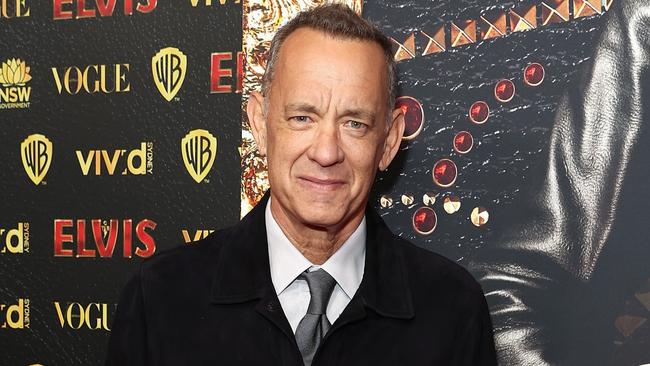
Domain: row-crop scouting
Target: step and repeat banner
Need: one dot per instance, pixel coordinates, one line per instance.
(123, 135)
(120, 133)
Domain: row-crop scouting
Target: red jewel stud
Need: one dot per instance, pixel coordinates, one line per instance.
(479, 112)
(444, 173)
(534, 74)
(463, 142)
(424, 220)
(504, 91)
(413, 116)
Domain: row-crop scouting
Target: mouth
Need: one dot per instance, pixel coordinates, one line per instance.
(321, 184)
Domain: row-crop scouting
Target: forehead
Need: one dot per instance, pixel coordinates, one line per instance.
(316, 66)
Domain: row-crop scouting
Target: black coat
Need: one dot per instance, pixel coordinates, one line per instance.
(213, 303)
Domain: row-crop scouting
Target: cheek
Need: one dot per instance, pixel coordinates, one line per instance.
(284, 150)
(363, 158)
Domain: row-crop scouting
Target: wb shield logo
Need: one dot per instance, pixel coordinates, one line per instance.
(199, 148)
(36, 153)
(168, 67)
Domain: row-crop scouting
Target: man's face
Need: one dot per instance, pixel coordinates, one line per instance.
(326, 133)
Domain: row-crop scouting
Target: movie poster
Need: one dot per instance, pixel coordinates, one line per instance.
(523, 160)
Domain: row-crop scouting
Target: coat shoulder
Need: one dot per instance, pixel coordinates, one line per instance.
(186, 260)
(426, 266)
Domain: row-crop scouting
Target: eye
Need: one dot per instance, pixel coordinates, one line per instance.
(356, 125)
(300, 119)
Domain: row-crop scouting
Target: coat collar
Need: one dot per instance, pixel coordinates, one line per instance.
(243, 273)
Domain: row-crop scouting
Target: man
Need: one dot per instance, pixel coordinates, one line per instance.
(311, 275)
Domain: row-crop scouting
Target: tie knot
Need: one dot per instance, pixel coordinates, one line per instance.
(320, 285)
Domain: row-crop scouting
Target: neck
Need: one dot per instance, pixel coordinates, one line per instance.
(316, 243)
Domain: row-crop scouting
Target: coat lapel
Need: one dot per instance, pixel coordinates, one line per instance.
(384, 287)
(243, 272)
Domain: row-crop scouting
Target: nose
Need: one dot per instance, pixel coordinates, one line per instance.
(325, 148)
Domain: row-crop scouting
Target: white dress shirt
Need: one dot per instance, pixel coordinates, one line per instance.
(287, 263)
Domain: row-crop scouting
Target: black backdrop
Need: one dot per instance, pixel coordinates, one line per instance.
(167, 195)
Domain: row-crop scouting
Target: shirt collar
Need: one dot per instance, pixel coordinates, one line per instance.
(346, 265)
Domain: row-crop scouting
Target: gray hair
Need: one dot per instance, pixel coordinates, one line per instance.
(339, 21)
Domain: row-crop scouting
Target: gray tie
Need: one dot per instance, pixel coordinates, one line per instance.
(314, 325)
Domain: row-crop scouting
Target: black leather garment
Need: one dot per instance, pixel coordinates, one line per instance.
(579, 247)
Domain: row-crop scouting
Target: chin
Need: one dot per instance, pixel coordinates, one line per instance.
(322, 217)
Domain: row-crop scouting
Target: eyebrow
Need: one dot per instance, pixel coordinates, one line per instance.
(301, 107)
(359, 113)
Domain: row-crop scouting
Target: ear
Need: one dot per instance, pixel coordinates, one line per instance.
(393, 139)
(257, 121)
